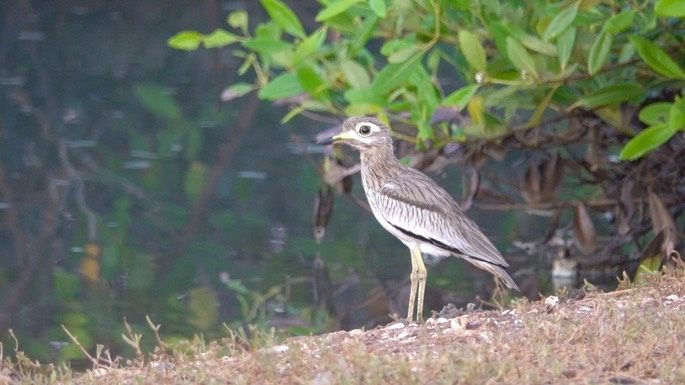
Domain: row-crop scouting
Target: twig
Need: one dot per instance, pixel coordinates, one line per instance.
(95, 362)
(600, 203)
(155, 329)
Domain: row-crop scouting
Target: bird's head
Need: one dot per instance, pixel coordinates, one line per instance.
(363, 133)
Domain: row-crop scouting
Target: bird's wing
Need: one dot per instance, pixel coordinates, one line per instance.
(415, 205)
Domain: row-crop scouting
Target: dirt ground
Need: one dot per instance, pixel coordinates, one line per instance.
(630, 336)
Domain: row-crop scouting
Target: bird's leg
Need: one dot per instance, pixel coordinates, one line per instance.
(413, 277)
(421, 276)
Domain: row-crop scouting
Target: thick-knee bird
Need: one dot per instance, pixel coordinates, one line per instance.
(415, 209)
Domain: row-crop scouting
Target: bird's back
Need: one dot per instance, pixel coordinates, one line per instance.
(417, 210)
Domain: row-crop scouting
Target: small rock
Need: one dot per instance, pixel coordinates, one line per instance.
(396, 325)
(98, 372)
(552, 300)
(455, 324)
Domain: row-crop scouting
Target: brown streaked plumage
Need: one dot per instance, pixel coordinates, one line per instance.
(415, 209)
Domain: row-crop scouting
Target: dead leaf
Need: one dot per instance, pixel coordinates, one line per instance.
(658, 213)
(531, 184)
(553, 175)
(651, 259)
(473, 187)
(593, 155)
(662, 222)
(584, 232)
(542, 181)
(323, 210)
(553, 225)
(622, 223)
(335, 174)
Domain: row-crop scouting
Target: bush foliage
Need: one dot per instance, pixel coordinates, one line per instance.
(509, 66)
(584, 86)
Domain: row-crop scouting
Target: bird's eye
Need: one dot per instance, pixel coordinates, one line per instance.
(364, 130)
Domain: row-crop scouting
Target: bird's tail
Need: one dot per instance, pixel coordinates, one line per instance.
(496, 270)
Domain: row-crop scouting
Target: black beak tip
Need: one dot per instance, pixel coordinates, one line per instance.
(325, 141)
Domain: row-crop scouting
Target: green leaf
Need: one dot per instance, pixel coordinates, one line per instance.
(529, 41)
(656, 58)
(335, 8)
(426, 131)
(599, 52)
(185, 40)
(646, 141)
(560, 22)
(611, 94)
(219, 38)
(473, 50)
(311, 44)
(310, 80)
(626, 53)
(520, 57)
(284, 17)
(433, 60)
(364, 96)
(476, 109)
(235, 91)
(620, 22)
(677, 116)
(391, 46)
(541, 108)
(238, 20)
(378, 7)
(355, 74)
(158, 101)
(565, 44)
(283, 86)
(363, 34)
(395, 75)
(648, 267)
(670, 8)
(292, 113)
(461, 97)
(266, 46)
(655, 113)
(361, 109)
(427, 96)
(403, 54)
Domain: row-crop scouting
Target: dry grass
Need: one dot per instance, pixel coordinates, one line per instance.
(631, 336)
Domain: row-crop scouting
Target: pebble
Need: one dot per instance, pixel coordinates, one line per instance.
(396, 325)
(552, 300)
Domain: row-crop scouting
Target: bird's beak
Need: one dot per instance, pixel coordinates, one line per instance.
(328, 140)
(334, 138)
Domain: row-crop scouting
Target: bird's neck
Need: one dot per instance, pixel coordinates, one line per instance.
(380, 161)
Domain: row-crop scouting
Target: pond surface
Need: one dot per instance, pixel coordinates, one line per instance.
(128, 189)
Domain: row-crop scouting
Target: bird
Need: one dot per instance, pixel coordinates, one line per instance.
(415, 209)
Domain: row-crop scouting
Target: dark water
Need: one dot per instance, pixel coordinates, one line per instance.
(108, 140)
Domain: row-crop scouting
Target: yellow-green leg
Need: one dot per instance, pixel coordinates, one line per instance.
(413, 278)
(418, 286)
